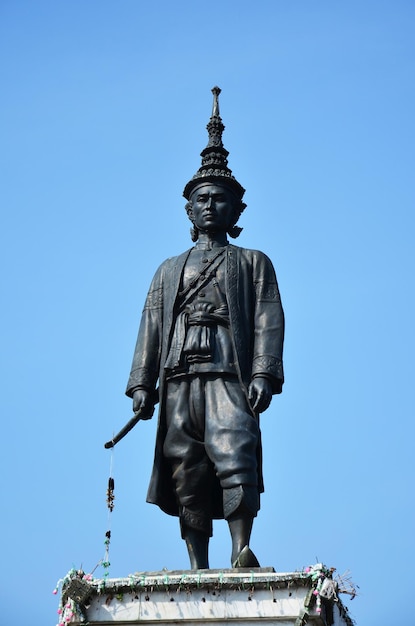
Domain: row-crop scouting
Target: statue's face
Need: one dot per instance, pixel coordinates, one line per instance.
(213, 208)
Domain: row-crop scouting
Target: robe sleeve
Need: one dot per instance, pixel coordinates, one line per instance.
(268, 324)
(146, 360)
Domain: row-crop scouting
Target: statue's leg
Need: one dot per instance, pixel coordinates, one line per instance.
(196, 529)
(232, 440)
(197, 544)
(192, 471)
(240, 529)
(240, 506)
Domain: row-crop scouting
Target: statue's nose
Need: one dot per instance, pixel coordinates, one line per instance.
(209, 203)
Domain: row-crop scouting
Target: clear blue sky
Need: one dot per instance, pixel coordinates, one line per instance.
(103, 113)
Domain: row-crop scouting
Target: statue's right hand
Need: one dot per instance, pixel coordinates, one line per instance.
(142, 404)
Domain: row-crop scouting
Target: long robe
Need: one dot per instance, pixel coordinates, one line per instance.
(257, 332)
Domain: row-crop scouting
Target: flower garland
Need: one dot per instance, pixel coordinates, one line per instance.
(68, 608)
(325, 586)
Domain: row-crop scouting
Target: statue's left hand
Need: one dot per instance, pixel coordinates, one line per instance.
(260, 394)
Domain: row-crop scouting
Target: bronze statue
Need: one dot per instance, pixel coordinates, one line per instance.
(211, 336)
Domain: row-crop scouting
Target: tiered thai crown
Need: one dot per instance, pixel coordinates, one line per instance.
(214, 168)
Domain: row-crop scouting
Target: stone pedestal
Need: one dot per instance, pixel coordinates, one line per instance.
(239, 597)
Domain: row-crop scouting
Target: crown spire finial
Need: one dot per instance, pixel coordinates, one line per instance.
(215, 108)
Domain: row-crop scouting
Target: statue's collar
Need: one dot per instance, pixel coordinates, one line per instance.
(209, 245)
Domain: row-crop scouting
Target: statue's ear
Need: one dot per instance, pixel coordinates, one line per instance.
(189, 211)
(194, 233)
(234, 231)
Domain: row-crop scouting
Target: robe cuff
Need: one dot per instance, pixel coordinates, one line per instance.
(269, 367)
(140, 378)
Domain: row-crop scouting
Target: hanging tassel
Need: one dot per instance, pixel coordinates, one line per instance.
(106, 563)
(110, 494)
(110, 505)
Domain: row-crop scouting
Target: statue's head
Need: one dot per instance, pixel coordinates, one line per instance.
(214, 182)
(214, 207)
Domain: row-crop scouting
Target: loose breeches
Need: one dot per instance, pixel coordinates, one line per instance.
(211, 436)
